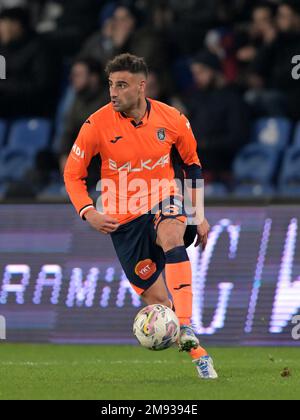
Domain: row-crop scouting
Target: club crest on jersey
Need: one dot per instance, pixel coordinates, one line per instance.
(161, 134)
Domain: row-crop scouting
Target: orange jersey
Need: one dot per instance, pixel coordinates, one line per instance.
(135, 157)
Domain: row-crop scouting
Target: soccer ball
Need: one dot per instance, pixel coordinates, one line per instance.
(156, 327)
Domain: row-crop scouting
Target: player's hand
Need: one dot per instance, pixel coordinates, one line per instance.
(101, 222)
(202, 234)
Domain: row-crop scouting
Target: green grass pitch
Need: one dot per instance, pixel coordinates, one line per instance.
(125, 372)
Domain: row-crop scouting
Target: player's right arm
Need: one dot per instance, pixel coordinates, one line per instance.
(84, 149)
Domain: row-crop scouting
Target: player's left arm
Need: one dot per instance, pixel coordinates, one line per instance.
(187, 147)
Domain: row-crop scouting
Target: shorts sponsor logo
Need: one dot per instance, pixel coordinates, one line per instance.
(145, 269)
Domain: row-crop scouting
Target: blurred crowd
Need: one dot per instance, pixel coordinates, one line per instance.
(223, 63)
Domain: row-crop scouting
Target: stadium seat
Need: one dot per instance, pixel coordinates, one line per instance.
(3, 128)
(254, 191)
(272, 132)
(289, 182)
(216, 190)
(26, 138)
(30, 135)
(55, 190)
(256, 164)
(14, 165)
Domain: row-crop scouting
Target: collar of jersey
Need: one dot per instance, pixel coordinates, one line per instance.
(145, 118)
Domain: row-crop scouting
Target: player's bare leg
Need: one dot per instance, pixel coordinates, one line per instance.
(170, 237)
(157, 294)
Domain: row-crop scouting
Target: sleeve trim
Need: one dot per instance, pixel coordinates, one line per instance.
(84, 210)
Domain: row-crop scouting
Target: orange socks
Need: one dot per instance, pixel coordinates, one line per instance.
(179, 282)
(198, 352)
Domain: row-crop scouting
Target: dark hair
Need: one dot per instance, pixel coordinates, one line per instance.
(94, 66)
(209, 59)
(292, 4)
(17, 14)
(265, 4)
(127, 62)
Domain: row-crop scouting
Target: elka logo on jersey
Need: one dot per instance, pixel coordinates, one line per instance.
(148, 165)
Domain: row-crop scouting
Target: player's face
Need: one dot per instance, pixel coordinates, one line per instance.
(126, 90)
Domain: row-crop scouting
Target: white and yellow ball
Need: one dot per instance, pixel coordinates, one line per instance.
(156, 327)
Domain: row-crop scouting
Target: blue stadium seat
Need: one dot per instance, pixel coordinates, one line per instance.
(26, 138)
(256, 164)
(3, 128)
(55, 190)
(254, 191)
(13, 166)
(29, 135)
(216, 190)
(289, 182)
(272, 132)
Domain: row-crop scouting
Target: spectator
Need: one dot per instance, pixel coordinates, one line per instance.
(222, 43)
(262, 31)
(90, 95)
(160, 89)
(156, 89)
(66, 24)
(112, 38)
(31, 85)
(192, 21)
(120, 34)
(274, 92)
(289, 16)
(218, 117)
